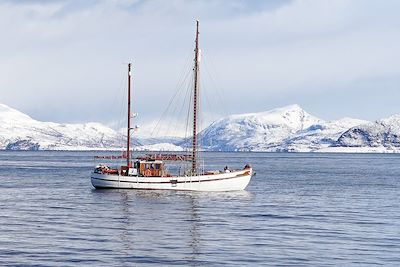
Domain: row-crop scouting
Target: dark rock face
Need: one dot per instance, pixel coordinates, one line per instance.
(358, 137)
(23, 145)
(383, 133)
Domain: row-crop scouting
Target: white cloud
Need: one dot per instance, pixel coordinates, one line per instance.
(63, 60)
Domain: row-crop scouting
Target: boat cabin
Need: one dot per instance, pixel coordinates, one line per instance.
(148, 168)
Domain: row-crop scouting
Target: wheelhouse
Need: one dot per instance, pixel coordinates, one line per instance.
(150, 168)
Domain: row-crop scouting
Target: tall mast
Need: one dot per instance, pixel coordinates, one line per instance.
(128, 159)
(196, 70)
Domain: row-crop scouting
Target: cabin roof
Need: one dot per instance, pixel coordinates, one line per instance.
(151, 161)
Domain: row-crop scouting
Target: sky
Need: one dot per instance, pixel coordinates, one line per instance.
(65, 61)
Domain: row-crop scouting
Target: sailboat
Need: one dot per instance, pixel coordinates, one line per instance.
(149, 171)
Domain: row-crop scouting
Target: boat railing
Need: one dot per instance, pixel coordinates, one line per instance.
(110, 157)
(166, 157)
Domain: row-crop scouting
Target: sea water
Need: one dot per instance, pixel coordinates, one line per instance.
(300, 209)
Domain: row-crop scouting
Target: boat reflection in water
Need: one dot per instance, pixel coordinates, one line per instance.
(153, 222)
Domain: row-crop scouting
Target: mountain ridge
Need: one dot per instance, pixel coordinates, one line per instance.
(284, 129)
(20, 131)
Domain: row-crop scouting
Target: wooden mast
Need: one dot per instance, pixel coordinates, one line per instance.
(196, 70)
(128, 156)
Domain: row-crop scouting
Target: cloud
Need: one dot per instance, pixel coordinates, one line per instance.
(64, 60)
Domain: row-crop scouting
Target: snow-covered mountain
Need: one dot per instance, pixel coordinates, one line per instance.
(283, 129)
(318, 136)
(380, 135)
(293, 129)
(19, 131)
(263, 131)
(288, 128)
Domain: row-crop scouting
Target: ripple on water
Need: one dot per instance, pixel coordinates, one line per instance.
(300, 209)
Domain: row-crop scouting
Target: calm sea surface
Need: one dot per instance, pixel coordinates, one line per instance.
(300, 209)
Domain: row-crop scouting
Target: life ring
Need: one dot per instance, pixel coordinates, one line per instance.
(147, 173)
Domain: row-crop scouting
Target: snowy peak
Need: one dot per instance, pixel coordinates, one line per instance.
(9, 114)
(392, 122)
(19, 131)
(257, 131)
(292, 116)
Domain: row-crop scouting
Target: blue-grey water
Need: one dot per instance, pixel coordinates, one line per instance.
(300, 209)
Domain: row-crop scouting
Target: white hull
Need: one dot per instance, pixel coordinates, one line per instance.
(231, 181)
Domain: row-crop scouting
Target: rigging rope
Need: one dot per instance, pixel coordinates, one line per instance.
(166, 117)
